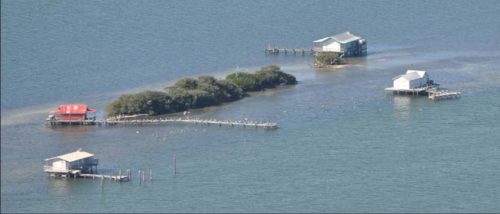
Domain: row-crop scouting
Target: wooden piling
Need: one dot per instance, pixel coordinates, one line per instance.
(102, 183)
(175, 166)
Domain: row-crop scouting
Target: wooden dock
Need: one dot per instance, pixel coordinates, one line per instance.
(431, 91)
(440, 95)
(72, 122)
(240, 123)
(118, 178)
(413, 91)
(78, 174)
(144, 120)
(286, 51)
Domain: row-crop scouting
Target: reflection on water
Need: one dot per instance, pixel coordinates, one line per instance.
(402, 107)
(73, 128)
(73, 134)
(59, 185)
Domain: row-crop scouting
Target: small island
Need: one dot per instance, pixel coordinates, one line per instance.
(190, 93)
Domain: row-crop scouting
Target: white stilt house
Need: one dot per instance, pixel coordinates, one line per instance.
(71, 164)
(412, 82)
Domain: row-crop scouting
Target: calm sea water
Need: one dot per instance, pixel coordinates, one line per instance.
(344, 145)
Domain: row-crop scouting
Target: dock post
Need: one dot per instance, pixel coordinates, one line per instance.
(150, 175)
(102, 183)
(175, 166)
(139, 175)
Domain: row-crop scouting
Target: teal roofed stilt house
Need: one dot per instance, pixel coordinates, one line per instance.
(344, 43)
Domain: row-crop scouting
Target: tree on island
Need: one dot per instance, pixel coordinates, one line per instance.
(190, 93)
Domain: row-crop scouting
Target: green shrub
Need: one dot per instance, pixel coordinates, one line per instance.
(148, 102)
(186, 83)
(246, 81)
(189, 93)
(266, 77)
(329, 58)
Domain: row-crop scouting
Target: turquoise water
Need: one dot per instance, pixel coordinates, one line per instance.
(344, 144)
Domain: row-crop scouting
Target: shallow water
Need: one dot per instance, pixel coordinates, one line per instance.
(344, 144)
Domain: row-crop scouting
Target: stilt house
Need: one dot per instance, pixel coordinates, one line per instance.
(345, 43)
(74, 163)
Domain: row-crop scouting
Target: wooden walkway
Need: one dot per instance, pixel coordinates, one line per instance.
(439, 95)
(118, 178)
(286, 51)
(431, 91)
(413, 91)
(241, 123)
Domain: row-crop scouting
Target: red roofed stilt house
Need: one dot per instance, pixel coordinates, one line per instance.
(72, 113)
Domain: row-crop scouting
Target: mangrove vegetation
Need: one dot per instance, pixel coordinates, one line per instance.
(329, 58)
(189, 93)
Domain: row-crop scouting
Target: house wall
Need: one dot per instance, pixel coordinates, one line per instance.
(355, 48)
(72, 117)
(401, 83)
(318, 46)
(332, 46)
(85, 165)
(418, 83)
(59, 165)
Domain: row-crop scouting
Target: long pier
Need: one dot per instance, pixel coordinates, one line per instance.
(241, 123)
(286, 51)
(118, 178)
(143, 121)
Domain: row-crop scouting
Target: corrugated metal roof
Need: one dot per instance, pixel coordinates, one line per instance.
(73, 156)
(411, 75)
(421, 73)
(322, 39)
(73, 109)
(345, 37)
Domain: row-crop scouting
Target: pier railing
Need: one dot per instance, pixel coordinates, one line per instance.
(286, 51)
(241, 123)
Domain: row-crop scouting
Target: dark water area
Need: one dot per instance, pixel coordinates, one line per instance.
(343, 143)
